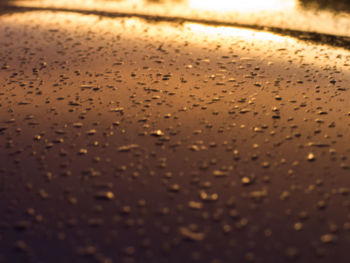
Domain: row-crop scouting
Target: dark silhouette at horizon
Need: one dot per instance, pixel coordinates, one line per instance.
(333, 5)
(4, 2)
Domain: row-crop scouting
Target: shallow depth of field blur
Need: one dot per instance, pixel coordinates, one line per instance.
(141, 131)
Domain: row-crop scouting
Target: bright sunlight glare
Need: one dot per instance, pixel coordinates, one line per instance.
(242, 5)
(235, 32)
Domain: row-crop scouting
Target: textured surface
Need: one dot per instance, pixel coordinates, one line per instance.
(123, 140)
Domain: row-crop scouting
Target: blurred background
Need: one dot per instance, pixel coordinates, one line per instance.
(333, 5)
(327, 17)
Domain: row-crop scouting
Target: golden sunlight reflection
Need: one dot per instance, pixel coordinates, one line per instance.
(284, 14)
(242, 5)
(235, 32)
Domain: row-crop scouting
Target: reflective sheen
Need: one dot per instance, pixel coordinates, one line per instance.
(247, 35)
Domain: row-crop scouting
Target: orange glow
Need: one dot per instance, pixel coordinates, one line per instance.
(236, 32)
(242, 5)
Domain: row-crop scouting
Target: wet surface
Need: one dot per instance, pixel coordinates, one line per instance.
(123, 140)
